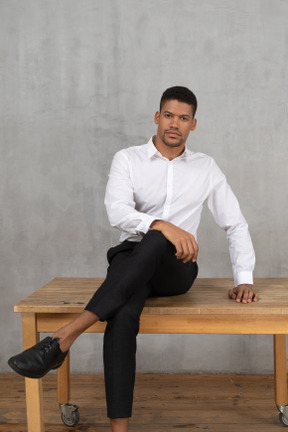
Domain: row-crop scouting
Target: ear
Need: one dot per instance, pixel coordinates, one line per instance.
(156, 117)
(194, 123)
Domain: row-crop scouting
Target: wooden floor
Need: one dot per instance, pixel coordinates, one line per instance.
(218, 403)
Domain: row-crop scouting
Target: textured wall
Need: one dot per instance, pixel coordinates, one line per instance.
(80, 80)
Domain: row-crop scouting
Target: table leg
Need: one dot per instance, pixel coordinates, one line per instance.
(63, 381)
(280, 370)
(34, 392)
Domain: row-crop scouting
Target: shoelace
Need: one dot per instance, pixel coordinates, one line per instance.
(46, 345)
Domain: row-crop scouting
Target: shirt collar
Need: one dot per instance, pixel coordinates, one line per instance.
(152, 150)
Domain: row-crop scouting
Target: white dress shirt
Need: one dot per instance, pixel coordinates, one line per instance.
(143, 186)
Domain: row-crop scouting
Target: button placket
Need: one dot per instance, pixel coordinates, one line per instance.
(169, 190)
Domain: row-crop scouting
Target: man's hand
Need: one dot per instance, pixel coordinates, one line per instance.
(184, 242)
(243, 293)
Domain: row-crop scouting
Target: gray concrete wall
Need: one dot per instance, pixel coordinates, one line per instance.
(82, 79)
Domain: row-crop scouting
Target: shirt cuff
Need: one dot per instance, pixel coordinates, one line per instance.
(144, 225)
(244, 277)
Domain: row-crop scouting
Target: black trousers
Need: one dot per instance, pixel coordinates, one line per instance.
(136, 271)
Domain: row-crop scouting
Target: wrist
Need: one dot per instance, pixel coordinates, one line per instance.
(157, 224)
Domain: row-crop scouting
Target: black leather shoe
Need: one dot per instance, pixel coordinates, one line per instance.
(36, 361)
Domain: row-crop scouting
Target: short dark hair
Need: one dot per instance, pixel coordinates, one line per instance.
(181, 94)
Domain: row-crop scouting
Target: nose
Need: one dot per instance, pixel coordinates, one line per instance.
(174, 123)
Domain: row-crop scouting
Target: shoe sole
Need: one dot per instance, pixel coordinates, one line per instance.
(31, 374)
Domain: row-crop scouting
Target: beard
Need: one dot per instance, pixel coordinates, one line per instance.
(172, 142)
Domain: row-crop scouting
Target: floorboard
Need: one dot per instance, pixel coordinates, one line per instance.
(215, 403)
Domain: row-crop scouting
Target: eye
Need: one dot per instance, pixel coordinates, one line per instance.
(184, 118)
(167, 115)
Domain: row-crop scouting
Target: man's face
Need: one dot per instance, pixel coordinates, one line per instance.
(175, 121)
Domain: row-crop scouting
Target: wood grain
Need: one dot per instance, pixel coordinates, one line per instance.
(207, 296)
(215, 403)
(206, 308)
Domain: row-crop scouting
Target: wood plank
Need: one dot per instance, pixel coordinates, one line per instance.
(207, 296)
(183, 324)
(152, 428)
(280, 369)
(63, 381)
(215, 403)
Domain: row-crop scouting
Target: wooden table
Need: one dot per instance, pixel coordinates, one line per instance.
(206, 309)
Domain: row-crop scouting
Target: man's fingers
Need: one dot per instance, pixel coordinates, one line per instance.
(184, 255)
(196, 250)
(232, 294)
(244, 294)
(190, 254)
(248, 295)
(187, 249)
(193, 249)
(253, 296)
(184, 242)
(179, 249)
(240, 296)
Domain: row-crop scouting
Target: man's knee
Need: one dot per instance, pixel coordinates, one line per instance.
(157, 235)
(156, 240)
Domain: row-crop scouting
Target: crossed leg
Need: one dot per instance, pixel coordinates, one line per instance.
(135, 272)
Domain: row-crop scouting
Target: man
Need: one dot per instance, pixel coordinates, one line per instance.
(155, 196)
